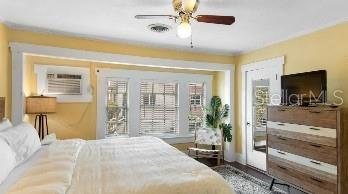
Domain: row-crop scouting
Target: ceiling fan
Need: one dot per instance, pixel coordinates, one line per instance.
(185, 10)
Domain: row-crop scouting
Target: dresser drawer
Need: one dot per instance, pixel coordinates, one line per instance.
(308, 162)
(313, 151)
(301, 177)
(304, 116)
(317, 135)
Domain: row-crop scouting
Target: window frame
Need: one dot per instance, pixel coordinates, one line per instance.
(202, 103)
(196, 99)
(183, 79)
(127, 106)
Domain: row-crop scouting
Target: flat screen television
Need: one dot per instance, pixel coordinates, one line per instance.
(304, 88)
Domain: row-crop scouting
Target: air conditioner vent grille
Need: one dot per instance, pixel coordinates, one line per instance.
(159, 28)
(64, 84)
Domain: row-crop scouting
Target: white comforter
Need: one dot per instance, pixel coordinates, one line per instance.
(143, 165)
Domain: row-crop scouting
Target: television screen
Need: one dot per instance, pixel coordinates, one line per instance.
(304, 88)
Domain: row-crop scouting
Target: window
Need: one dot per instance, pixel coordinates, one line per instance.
(151, 103)
(149, 99)
(68, 84)
(117, 102)
(159, 108)
(196, 99)
(196, 115)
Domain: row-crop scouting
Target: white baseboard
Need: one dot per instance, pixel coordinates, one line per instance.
(240, 159)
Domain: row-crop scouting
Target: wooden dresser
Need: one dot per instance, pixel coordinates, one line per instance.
(308, 147)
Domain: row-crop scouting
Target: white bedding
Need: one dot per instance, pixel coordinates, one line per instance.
(142, 165)
(20, 170)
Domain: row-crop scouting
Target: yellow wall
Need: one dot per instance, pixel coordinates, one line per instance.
(326, 49)
(78, 120)
(4, 67)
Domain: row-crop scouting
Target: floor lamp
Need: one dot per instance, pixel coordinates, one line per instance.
(41, 106)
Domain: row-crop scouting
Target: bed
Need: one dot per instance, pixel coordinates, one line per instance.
(139, 165)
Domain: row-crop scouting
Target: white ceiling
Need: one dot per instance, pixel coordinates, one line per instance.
(258, 22)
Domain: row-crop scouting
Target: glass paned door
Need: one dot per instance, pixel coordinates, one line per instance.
(260, 102)
(260, 86)
(117, 108)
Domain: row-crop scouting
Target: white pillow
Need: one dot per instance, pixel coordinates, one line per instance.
(23, 140)
(4, 124)
(49, 139)
(8, 160)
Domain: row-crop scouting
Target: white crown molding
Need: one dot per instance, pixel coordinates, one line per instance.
(2, 20)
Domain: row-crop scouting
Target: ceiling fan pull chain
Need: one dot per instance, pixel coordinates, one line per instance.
(191, 42)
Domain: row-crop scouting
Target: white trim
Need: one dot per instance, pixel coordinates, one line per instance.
(240, 158)
(19, 50)
(228, 97)
(115, 58)
(18, 96)
(41, 71)
(183, 80)
(266, 64)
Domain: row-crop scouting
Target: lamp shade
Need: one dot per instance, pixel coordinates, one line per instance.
(40, 104)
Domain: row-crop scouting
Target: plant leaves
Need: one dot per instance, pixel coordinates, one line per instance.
(215, 102)
(227, 130)
(209, 120)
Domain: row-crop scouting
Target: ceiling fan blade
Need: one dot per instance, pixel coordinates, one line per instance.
(155, 17)
(215, 19)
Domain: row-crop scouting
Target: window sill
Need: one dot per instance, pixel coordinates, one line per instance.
(170, 139)
(177, 139)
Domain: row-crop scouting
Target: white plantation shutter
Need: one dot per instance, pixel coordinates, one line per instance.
(64, 84)
(117, 108)
(197, 103)
(159, 108)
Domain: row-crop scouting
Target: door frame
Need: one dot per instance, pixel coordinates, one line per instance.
(274, 63)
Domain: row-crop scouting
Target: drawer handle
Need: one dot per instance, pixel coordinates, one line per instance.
(317, 180)
(315, 112)
(317, 163)
(281, 138)
(314, 145)
(281, 124)
(282, 110)
(315, 129)
(282, 153)
(282, 167)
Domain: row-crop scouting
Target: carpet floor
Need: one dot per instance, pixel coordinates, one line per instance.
(244, 183)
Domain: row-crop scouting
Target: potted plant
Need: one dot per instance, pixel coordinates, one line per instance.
(216, 115)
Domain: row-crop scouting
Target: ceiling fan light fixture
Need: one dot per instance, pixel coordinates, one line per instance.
(189, 6)
(184, 30)
(186, 6)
